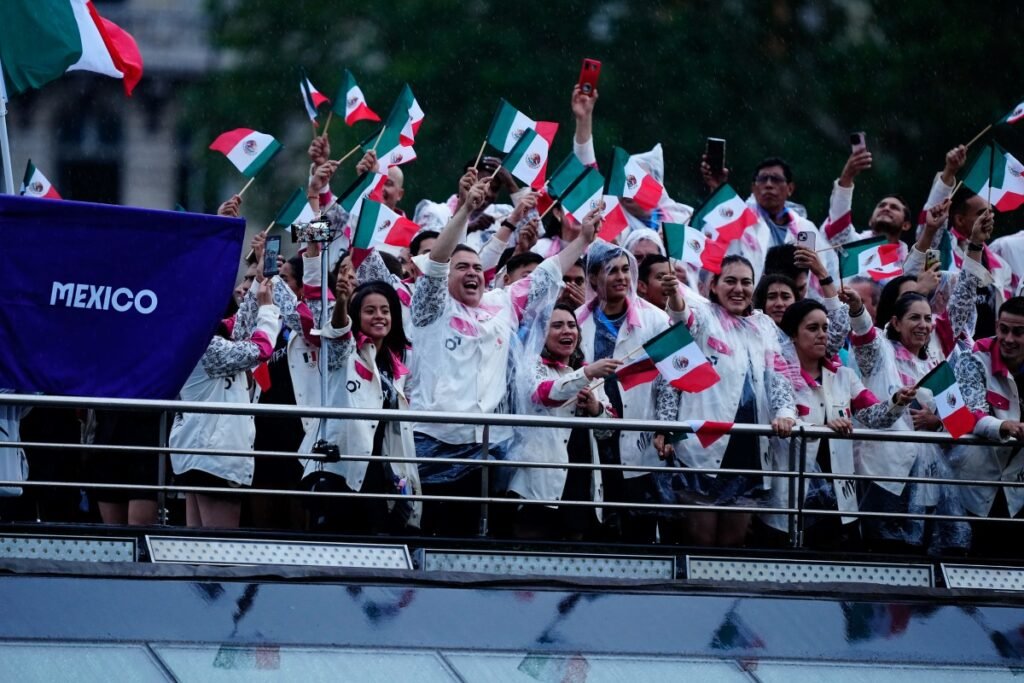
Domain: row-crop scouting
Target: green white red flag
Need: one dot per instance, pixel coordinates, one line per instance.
(585, 196)
(378, 225)
(295, 210)
(676, 355)
(507, 126)
(996, 171)
(311, 97)
(390, 150)
(724, 216)
(708, 432)
(249, 150)
(956, 417)
(406, 116)
(35, 184)
(528, 159)
(367, 186)
(350, 102)
(40, 42)
(565, 176)
(613, 219)
(691, 246)
(629, 180)
(1015, 115)
(873, 257)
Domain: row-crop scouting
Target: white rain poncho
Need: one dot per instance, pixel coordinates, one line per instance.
(752, 389)
(546, 388)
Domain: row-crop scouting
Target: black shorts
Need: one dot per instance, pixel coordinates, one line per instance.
(199, 478)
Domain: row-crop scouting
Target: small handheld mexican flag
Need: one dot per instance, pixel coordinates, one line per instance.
(629, 180)
(35, 184)
(614, 219)
(565, 176)
(724, 216)
(295, 210)
(528, 159)
(708, 432)
(585, 196)
(685, 244)
(872, 257)
(368, 185)
(949, 401)
(996, 171)
(350, 102)
(311, 97)
(508, 126)
(406, 116)
(379, 225)
(1014, 116)
(675, 354)
(249, 150)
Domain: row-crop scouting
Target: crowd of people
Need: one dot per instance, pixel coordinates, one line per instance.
(493, 308)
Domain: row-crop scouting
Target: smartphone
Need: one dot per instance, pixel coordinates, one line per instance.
(714, 151)
(589, 73)
(807, 239)
(270, 253)
(858, 142)
(932, 257)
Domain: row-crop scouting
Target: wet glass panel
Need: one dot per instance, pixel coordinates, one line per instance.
(81, 662)
(485, 668)
(209, 664)
(882, 672)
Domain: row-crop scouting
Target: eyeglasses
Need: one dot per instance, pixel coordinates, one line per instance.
(774, 179)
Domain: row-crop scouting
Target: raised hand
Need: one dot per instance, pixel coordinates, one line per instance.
(322, 176)
(806, 258)
(859, 161)
(367, 163)
(711, 179)
(231, 207)
(319, 150)
(601, 368)
(955, 160)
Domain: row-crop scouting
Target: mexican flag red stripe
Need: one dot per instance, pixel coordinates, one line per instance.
(629, 180)
(379, 225)
(724, 216)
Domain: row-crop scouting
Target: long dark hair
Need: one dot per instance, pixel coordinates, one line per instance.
(767, 280)
(887, 299)
(395, 341)
(900, 309)
(576, 357)
(796, 313)
(728, 261)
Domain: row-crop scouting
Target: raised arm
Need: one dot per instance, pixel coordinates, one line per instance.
(225, 358)
(838, 228)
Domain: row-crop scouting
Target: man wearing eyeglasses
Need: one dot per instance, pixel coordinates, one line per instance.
(771, 187)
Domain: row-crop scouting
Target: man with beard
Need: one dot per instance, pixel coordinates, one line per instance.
(890, 218)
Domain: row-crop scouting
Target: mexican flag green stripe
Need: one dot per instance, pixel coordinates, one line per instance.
(949, 401)
(508, 126)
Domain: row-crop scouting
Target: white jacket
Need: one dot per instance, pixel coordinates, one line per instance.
(840, 394)
(219, 377)
(886, 366)
(554, 386)
(991, 393)
(733, 344)
(462, 353)
(355, 382)
(643, 321)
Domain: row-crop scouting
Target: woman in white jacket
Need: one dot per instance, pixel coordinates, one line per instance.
(743, 346)
(219, 377)
(367, 354)
(556, 382)
(827, 394)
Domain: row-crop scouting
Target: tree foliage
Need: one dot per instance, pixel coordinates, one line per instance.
(774, 77)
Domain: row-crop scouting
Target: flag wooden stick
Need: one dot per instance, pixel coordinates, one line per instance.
(312, 122)
(264, 231)
(327, 125)
(597, 383)
(383, 128)
(246, 186)
(548, 210)
(975, 138)
(480, 154)
(350, 153)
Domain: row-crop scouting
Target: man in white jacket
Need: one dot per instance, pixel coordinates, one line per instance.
(461, 337)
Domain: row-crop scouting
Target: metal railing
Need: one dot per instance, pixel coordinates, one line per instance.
(795, 509)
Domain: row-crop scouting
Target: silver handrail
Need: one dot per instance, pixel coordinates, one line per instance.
(795, 509)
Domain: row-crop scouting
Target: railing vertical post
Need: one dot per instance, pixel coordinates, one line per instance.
(791, 486)
(161, 477)
(801, 490)
(485, 479)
